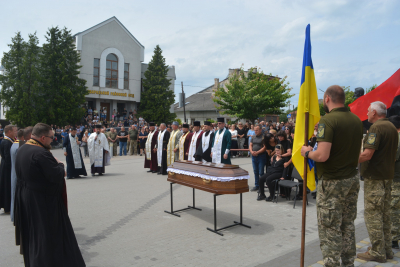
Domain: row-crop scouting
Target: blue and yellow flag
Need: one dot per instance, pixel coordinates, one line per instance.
(308, 102)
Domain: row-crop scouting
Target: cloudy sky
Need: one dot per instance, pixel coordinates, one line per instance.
(354, 43)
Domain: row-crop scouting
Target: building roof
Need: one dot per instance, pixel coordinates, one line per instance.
(108, 21)
(200, 101)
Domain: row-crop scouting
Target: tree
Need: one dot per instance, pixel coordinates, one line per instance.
(283, 118)
(371, 88)
(253, 95)
(11, 81)
(63, 92)
(42, 84)
(157, 98)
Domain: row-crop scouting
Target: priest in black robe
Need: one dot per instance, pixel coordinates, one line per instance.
(42, 226)
(203, 152)
(10, 132)
(162, 146)
(73, 156)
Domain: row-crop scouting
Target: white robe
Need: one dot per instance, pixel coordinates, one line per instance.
(96, 148)
(192, 148)
(148, 145)
(75, 152)
(216, 150)
(160, 147)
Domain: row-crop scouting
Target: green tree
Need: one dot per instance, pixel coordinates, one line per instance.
(283, 117)
(369, 89)
(42, 84)
(63, 92)
(157, 98)
(11, 81)
(253, 95)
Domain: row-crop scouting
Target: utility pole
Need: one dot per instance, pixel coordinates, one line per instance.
(183, 100)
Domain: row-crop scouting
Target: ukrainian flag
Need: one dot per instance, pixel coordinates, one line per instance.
(308, 102)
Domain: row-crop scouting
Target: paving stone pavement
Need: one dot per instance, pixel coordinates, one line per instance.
(362, 247)
(119, 220)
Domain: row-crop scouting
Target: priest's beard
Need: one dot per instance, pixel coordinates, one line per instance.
(48, 147)
(326, 109)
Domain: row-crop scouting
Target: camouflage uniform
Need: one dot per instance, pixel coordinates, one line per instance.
(395, 205)
(338, 186)
(378, 175)
(395, 210)
(377, 195)
(336, 212)
(113, 136)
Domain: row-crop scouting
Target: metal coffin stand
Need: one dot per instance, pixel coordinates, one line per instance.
(215, 187)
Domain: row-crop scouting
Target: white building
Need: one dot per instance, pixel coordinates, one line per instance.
(112, 64)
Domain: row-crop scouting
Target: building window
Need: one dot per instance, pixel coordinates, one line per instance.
(96, 72)
(112, 71)
(126, 76)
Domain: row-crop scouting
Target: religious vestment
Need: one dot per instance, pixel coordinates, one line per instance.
(162, 146)
(150, 154)
(221, 145)
(147, 147)
(13, 152)
(194, 144)
(97, 153)
(5, 174)
(42, 226)
(184, 144)
(75, 165)
(172, 144)
(204, 150)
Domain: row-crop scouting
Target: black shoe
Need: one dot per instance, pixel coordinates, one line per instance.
(158, 173)
(153, 171)
(92, 174)
(77, 176)
(261, 197)
(269, 199)
(165, 173)
(254, 189)
(149, 171)
(395, 244)
(69, 178)
(100, 174)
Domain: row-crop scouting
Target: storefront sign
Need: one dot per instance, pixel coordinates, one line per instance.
(110, 93)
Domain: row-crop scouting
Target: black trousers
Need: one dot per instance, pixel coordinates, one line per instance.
(268, 178)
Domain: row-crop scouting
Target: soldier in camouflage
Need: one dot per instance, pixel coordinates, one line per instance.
(377, 168)
(395, 204)
(339, 143)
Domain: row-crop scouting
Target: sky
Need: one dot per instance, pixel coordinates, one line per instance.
(354, 43)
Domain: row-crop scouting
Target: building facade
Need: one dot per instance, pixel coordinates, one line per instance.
(112, 64)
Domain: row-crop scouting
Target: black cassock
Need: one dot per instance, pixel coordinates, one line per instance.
(5, 175)
(200, 155)
(42, 226)
(164, 166)
(71, 170)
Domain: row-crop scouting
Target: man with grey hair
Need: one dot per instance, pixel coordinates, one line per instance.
(377, 168)
(173, 144)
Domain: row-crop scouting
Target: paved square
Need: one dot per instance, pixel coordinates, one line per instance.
(119, 220)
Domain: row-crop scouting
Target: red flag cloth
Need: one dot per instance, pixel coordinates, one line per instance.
(384, 93)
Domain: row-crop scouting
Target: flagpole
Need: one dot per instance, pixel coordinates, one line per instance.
(303, 221)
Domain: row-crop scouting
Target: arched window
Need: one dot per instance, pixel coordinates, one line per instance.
(112, 71)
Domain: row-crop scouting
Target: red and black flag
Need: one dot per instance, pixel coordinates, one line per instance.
(388, 92)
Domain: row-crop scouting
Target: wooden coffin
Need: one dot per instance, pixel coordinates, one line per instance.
(214, 178)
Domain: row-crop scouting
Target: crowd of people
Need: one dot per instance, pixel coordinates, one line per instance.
(340, 148)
